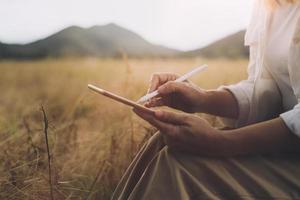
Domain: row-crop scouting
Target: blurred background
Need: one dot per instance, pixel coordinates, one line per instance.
(51, 50)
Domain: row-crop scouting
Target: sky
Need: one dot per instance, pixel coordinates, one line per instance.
(180, 24)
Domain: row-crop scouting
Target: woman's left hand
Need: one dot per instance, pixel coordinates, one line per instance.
(186, 132)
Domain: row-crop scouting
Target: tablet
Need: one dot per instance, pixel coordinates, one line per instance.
(120, 99)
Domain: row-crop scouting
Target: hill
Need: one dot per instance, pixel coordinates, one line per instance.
(112, 40)
(230, 47)
(102, 41)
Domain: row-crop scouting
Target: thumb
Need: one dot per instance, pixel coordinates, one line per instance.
(171, 117)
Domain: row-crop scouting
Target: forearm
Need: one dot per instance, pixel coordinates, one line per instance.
(265, 137)
(221, 103)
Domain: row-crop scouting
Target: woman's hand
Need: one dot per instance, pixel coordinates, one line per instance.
(184, 96)
(186, 132)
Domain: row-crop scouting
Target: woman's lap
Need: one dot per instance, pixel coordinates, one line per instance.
(158, 173)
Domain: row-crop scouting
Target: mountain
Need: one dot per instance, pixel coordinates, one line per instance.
(109, 40)
(112, 40)
(229, 47)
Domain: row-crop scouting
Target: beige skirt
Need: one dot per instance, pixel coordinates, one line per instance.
(158, 173)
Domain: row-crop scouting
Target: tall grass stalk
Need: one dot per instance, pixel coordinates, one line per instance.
(46, 125)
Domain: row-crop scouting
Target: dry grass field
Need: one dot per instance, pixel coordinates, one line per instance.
(91, 138)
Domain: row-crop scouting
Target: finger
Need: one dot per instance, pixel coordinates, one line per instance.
(156, 102)
(172, 87)
(166, 128)
(172, 117)
(151, 119)
(154, 83)
(159, 79)
(144, 115)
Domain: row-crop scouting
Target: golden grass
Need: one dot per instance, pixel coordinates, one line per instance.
(92, 139)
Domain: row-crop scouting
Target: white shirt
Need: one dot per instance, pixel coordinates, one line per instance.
(273, 85)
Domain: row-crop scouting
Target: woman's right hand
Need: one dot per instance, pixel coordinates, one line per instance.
(184, 96)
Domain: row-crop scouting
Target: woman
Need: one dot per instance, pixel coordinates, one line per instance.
(259, 159)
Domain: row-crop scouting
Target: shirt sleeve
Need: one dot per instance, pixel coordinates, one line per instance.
(242, 92)
(292, 117)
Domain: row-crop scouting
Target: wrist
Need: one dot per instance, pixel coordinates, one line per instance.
(227, 145)
(203, 105)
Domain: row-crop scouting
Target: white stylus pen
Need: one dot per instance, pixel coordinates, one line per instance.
(180, 79)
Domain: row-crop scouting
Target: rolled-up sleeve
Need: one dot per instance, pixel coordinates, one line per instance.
(292, 117)
(242, 92)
